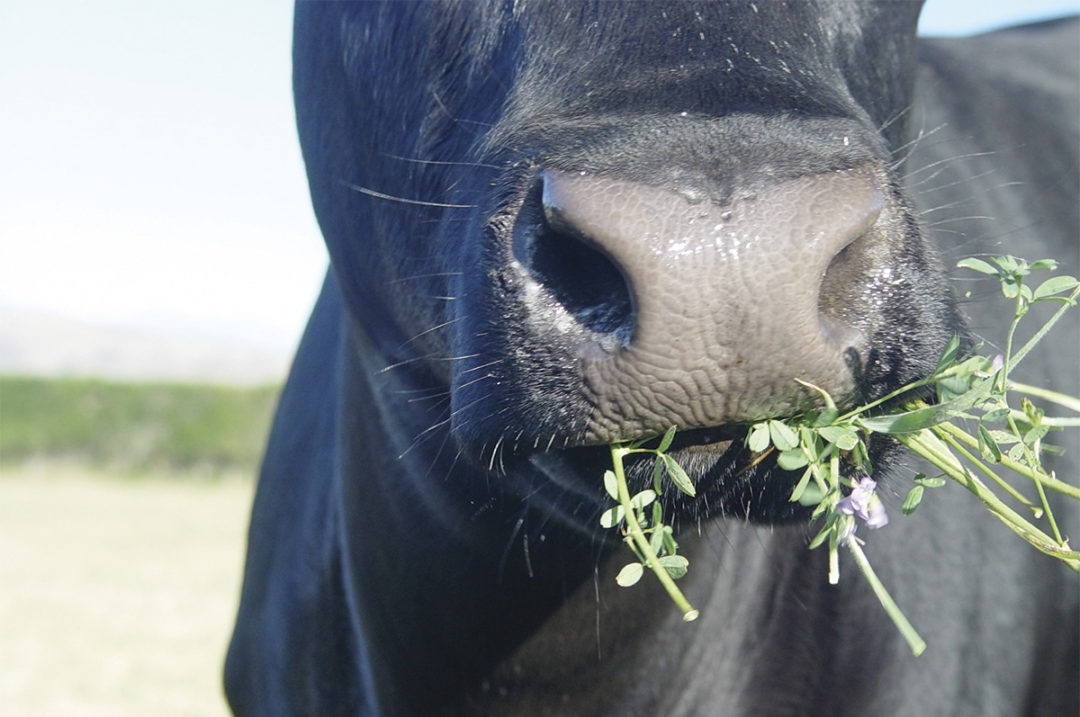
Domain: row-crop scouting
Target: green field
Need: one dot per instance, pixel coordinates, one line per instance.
(116, 596)
(123, 513)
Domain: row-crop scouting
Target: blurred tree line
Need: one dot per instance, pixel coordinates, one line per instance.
(134, 428)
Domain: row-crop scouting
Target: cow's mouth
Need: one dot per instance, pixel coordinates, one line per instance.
(729, 479)
(716, 439)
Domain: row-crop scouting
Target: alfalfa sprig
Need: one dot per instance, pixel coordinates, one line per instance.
(1006, 436)
(973, 388)
(819, 442)
(642, 516)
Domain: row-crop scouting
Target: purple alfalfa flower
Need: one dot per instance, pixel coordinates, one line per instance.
(863, 502)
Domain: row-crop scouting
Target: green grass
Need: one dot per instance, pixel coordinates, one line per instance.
(134, 427)
(117, 596)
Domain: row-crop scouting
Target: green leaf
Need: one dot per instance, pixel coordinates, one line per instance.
(950, 387)
(758, 439)
(930, 481)
(911, 502)
(822, 506)
(675, 565)
(1003, 436)
(658, 475)
(823, 535)
(782, 436)
(842, 437)
(642, 499)
(858, 454)
(657, 514)
(800, 487)
(1043, 264)
(669, 541)
(610, 484)
(1010, 265)
(996, 415)
(972, 365)
(612, 516)
(826, 416)
(1034, 413)
(961, 377)
(948, 355)
(792, 460)
(656, 542)
(1016, 453)
(1035, 434)
(988, 446)
(921, 418)
(630, 574)
(812, 495)
(1054, 285)
(665, 442)
(976, 265)
(678, 476)
(811, 442)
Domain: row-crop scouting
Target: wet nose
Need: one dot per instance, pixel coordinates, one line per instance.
(724, 309)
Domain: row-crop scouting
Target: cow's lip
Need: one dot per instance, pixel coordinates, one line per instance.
(712, 439)
(714, 443)
(729, 479)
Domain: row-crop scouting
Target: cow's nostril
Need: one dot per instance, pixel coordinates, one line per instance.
(839, 299)
(576, 277)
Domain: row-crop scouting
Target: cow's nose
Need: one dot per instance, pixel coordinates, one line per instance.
(721, 307)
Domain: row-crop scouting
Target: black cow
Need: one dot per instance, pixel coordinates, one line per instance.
(557, 224)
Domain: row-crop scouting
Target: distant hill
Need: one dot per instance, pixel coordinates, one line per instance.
(41, 344)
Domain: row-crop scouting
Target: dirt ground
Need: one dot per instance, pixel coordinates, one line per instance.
(117, 595)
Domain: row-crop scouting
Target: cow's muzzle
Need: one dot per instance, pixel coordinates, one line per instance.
(699, 313)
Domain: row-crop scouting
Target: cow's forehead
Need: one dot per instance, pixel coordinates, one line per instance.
(577, 59)
(666, 35)
(666, 26)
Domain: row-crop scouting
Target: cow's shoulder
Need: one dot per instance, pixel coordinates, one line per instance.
(995, 169)
(1042, 56)
(998, 121)
(1002, 86)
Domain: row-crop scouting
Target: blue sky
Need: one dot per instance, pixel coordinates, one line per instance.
(151, 175)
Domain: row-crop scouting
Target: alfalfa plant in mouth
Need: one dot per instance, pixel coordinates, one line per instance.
(1007, 439)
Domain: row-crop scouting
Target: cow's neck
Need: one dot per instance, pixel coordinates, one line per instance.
(753, 650)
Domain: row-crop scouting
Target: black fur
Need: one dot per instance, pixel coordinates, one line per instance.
(425, 529)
